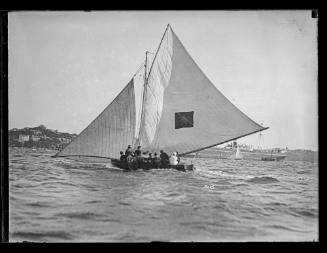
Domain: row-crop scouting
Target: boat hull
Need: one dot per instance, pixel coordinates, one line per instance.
(179, 167)
(275, 158)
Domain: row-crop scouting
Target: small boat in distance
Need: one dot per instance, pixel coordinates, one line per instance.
(180, 111)
(274, 157)
(238, 155)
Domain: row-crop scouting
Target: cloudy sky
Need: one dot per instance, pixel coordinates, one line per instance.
(66, 67)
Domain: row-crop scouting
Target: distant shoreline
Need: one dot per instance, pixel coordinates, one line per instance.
(306, 156)
(42, 137)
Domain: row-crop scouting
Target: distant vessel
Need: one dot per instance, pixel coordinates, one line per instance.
(237, 155)
(181, 110)
(249, 153)
(273, 158)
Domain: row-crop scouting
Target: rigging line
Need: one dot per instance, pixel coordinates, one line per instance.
(138, 70)
(140, 110)
(143, 98)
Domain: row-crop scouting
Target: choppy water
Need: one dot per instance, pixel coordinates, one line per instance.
(56, 199)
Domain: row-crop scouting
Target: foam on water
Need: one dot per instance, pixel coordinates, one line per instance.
(57, 199)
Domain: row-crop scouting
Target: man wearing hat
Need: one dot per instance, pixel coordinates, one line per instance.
(128, 151)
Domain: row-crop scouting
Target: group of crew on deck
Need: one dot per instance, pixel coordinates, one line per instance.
(138, 159)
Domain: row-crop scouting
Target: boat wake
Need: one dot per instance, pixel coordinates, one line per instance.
(263, 180)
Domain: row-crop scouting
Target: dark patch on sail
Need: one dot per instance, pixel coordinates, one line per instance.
(183, 119)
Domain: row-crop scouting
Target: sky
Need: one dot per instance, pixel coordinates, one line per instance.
(66, 67)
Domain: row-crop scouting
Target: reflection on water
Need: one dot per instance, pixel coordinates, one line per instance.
(56, 199)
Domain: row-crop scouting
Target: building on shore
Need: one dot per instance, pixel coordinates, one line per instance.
(36, 132)
(35, 138)
(64, 140)
(23, 138)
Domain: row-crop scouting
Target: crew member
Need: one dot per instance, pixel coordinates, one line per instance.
(138, 151)
(149, 160)
(131, 161)
(156, 161)
(173, 159)
(139, 158)
(128, 151)
(164, 159)
(123, 160)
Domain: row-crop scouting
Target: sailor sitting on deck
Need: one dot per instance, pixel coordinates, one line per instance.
(139, 157)
(164, 159)
(131, 161)
(148, 161)
(138, 151)
(128, 150)
(123, 159)
(173, 160)
(156, 161)
(145, 159)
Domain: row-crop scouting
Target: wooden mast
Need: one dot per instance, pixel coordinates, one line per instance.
(143, 96)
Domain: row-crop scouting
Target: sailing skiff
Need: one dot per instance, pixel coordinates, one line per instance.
(181, 110)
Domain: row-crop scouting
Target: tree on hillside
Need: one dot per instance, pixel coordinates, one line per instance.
(42, 127)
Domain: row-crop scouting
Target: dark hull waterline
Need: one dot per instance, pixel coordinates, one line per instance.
(275, 158)
(179, 167)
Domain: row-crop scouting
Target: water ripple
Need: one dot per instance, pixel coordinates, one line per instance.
(60, 235)
(263, 180)
(222, 200)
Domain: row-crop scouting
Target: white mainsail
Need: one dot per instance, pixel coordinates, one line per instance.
(110, 132)
(177, 90)
(181, 111)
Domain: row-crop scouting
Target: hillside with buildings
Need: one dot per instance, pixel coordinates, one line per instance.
(39, 137)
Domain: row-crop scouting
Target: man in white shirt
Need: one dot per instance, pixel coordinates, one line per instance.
(173, 160)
